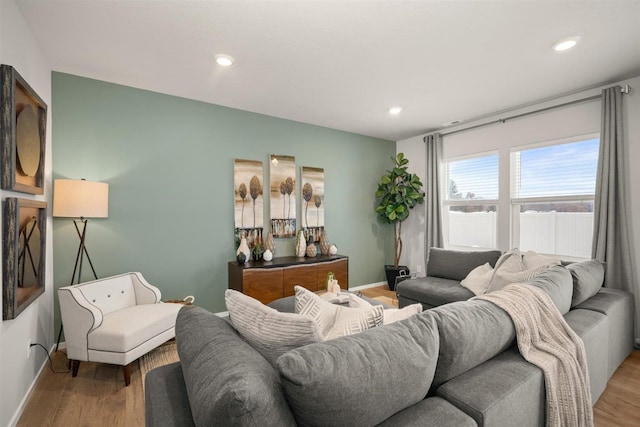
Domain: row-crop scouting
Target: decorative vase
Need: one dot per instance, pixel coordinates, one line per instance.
(333, 249)
(301, 245)
(244, 248)
(257, 253)
(312, 251)
(267, 255)
(270, 244)
(324, 243)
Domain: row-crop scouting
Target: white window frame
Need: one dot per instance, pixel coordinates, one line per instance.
(446, 203)
(516, 202)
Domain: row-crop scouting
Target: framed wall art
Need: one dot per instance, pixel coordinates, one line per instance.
(312, 202)
(248, 204)
(283, 195)
(22, 134)
(24, 254)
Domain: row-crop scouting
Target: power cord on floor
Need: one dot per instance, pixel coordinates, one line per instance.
(50, 361)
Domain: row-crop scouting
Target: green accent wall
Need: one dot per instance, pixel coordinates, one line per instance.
(169, 165)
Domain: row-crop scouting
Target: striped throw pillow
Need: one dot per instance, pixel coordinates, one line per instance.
(269, 331)
(335, 320)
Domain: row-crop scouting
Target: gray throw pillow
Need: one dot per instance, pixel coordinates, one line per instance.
(361, 379)
(588, 277)
(228, 382)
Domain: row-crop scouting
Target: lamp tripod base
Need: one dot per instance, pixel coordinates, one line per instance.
(77, 268)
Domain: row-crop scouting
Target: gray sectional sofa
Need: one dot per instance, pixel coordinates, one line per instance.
(453, 365)
(445, 270)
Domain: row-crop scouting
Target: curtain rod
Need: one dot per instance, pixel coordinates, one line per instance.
(624, 89)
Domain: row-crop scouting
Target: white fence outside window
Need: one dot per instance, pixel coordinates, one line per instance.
(562, 233)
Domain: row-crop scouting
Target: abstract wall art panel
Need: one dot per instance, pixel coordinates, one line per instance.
(312, 202)
(283, 195)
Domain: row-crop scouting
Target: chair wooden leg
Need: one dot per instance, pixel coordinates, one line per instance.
(75, 364)
(127, 374)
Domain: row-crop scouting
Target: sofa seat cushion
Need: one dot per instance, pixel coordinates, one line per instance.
(227, 381)
(618, 306)
(504, 391)
(431, 412)
(433, 291)
(593, 328)
(123, 330)
(361, 379)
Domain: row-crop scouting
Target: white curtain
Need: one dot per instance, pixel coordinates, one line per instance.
(611, 232)
(433, 188)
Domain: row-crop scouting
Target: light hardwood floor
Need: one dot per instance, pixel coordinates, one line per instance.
(98, 397)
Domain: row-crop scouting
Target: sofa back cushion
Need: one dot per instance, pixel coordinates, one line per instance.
(227, 381)
(588, 277)
(456, 265)
(471, 332)
(361, 379)
(556, 282)
(109, 295)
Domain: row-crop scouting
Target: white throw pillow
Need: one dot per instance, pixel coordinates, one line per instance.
(533, 259)
(335, 320)
(269, 331)
(510, 262)
(391, 315)
(511, 268)
(478, 279)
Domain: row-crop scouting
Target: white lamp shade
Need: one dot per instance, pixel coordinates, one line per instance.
(75, 198)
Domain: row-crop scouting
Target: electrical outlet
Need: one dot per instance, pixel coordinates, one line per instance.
(419, 269)
(29, 349)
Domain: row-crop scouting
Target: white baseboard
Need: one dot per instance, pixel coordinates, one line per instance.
(23, 402)
(370, 285)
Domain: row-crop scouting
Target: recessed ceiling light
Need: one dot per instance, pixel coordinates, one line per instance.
(395, 110)
(224, 60)
(565, 44)
(451, 123)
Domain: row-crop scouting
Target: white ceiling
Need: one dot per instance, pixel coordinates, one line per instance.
(342, 64)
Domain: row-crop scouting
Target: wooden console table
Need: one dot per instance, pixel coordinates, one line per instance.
(267, 281)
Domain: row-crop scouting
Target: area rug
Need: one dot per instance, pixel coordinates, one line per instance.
(165, 354)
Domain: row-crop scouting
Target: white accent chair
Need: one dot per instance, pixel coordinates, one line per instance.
(114, 320)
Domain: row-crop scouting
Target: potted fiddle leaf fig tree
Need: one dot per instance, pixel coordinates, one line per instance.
(398, 192)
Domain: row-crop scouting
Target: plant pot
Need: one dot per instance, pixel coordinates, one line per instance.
(393, 273)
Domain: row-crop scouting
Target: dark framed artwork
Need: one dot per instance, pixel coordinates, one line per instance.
(22, 134)
(312, 202)
(283, 195)
(248, 176)
(24, 254)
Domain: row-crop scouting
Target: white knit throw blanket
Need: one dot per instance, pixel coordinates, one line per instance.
(546, 340)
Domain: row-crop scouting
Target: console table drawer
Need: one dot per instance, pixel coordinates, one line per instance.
(339, 268)
(263, 284)
(301, 275)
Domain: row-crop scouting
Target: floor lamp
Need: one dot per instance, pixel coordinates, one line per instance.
(80, 199)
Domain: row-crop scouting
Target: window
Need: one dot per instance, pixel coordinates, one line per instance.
(471, 201)
(552, 193)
